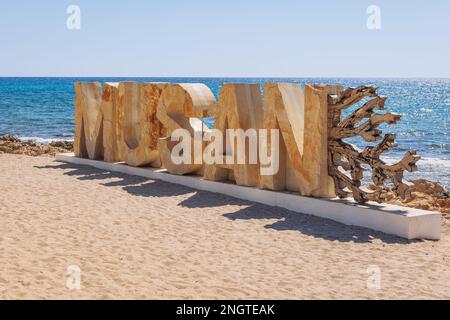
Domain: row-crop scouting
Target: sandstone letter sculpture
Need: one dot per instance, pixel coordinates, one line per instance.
(88, 140)
(138, 129)
(181, 107)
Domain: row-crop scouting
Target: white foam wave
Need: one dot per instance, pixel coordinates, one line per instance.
(435, 169)
(44, 140)
(425, 161)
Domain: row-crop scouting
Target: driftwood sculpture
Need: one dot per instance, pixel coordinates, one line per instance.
(346, 162)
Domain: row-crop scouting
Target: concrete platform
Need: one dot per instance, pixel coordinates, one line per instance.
(401, 221)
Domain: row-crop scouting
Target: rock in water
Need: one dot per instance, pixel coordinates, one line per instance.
(12, 144)
(426, 195)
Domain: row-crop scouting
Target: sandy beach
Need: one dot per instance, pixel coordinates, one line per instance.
(134, 238)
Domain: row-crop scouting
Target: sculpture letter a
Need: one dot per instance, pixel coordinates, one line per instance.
(239, 110)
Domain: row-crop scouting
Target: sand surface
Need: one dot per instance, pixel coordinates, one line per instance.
(137, 238)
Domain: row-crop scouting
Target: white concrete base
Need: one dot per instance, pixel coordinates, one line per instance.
(401, 221)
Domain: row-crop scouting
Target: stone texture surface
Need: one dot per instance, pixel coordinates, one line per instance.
(109, 109)
(239, 107)
(138, 129)
(12, 144)
(181, 106)
(88, 140)
(301, 119)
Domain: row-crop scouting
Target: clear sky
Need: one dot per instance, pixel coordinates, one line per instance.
(244, 38)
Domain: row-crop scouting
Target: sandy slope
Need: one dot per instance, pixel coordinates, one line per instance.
(137, 238)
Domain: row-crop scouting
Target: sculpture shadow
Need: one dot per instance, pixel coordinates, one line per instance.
(90, 173)
(134, 185)
(157, 188)
(289, 220)
(312, 226)
(286, 220)
(205, 199)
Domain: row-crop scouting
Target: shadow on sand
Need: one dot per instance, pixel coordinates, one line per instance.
(286, 220)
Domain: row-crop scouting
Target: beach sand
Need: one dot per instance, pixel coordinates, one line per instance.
(137, 238)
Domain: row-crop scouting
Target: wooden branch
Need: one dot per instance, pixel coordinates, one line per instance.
(367, 130)
(365, 111)
(353, 95)
(384, 146)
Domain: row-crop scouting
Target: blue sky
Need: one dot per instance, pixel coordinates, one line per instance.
(245, 38)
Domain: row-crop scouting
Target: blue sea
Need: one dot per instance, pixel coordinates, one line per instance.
(43, 109)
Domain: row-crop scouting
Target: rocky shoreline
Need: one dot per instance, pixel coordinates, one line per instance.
(426, 195)
(13, 145)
